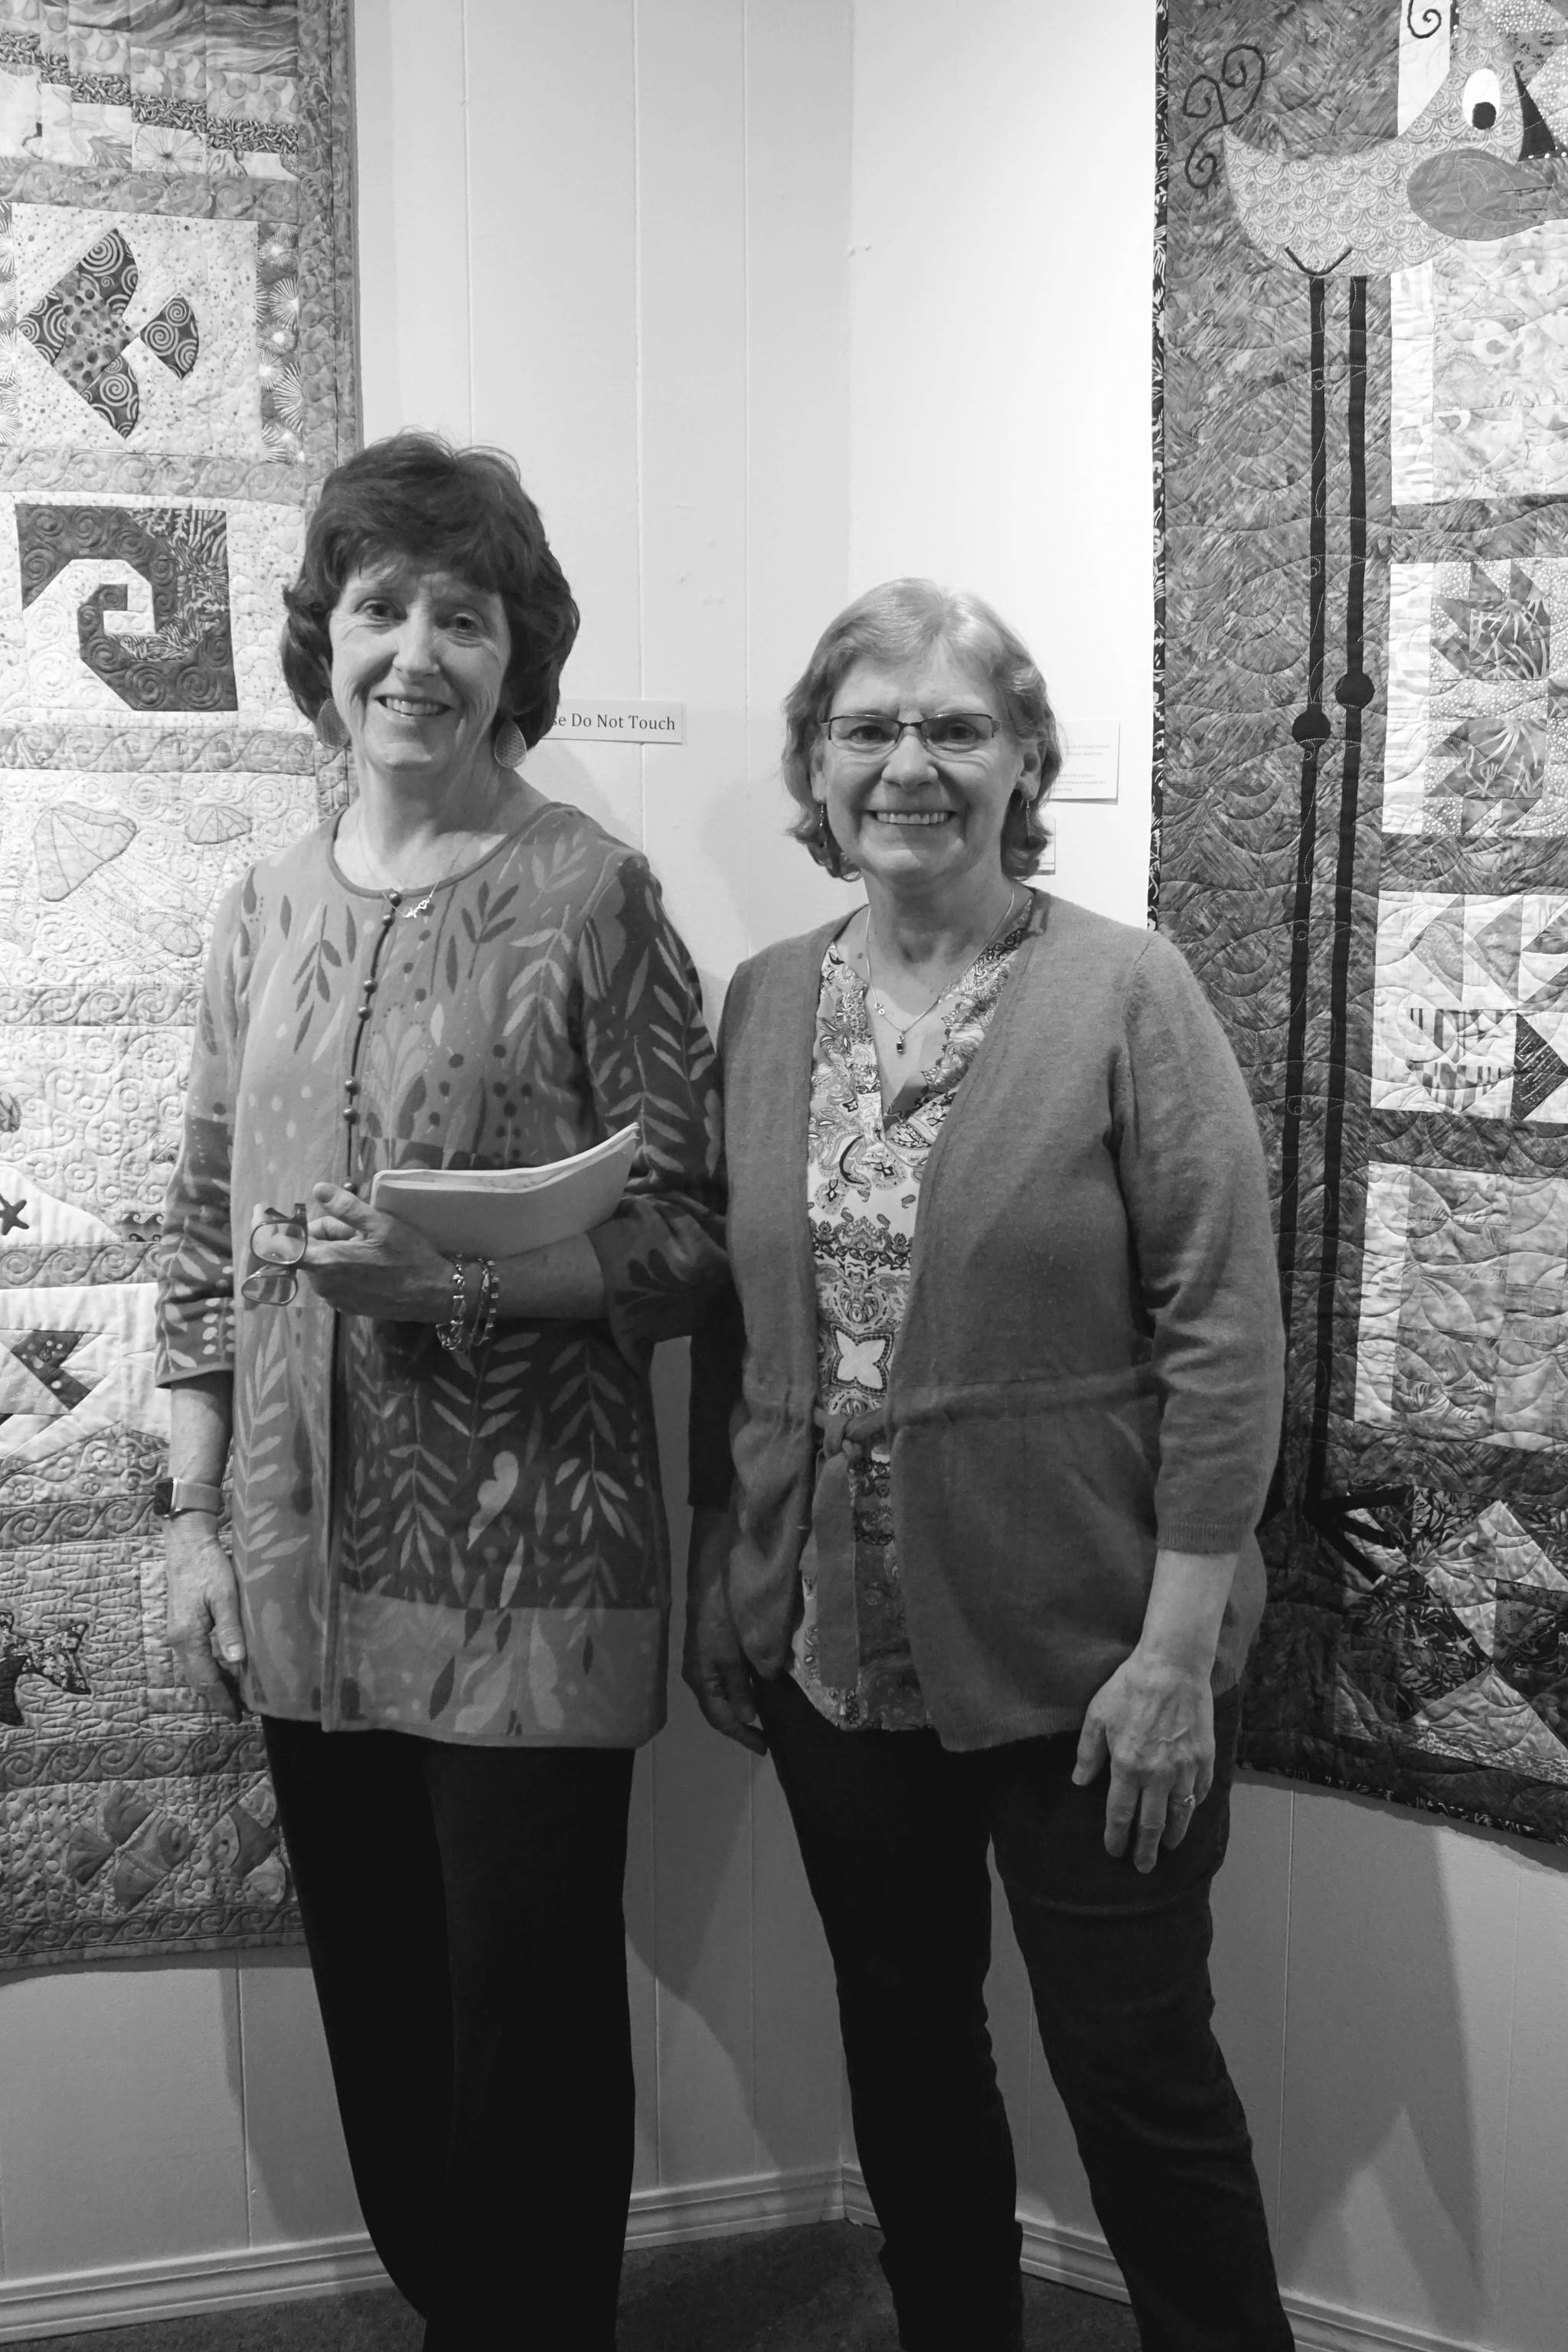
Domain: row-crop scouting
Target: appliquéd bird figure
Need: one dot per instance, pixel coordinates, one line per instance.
(1473, 165)
(1459, 174)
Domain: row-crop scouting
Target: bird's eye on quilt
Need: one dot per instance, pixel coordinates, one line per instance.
(1482, 98)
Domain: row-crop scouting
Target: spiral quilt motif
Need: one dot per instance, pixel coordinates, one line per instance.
(173, 336)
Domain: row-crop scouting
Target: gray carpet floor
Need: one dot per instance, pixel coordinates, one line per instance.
(815, 2289)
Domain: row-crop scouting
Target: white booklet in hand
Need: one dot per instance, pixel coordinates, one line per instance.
(500, 1212)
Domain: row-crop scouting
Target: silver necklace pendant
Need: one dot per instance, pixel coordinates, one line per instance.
(951, 988)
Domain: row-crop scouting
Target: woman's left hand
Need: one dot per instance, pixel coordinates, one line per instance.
(1153, 1723)
(364, 1263)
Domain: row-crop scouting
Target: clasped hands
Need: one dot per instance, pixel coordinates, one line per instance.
(360, 1261)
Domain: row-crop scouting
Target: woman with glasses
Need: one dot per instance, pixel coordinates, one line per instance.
(447, 1588)
(978, 1447)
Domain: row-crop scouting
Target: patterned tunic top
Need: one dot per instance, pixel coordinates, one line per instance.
(468, 1546)
(863, 1185)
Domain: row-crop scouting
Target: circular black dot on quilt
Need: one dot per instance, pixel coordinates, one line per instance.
(1312, 727)
(1354, 690)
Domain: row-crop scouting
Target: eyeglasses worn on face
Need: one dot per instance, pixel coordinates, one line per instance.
(278, 1244)
(869, 735)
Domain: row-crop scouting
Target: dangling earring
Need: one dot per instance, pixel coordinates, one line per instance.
(822, 834)
(509, 746)
(329, 726)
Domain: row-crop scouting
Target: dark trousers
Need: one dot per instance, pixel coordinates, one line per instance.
(894, 1833)
(463, 1912)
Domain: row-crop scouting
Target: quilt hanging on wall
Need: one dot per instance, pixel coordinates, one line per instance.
(1365, 838)
(175, 378)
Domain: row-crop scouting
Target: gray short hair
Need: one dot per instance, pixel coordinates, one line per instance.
(900, 622)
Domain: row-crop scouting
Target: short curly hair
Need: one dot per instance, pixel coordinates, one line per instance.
(415, 498)
(902, 620)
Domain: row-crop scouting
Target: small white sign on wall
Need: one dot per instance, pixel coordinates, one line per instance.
(598, 718)
(1092, 755)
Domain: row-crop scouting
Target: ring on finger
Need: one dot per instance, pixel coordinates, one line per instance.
(1183, 1804)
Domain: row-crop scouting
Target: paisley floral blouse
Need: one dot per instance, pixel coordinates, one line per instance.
(471, 1547)
(863, 1186)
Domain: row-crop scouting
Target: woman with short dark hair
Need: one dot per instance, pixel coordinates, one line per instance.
(448, 1587)
(978, 1446)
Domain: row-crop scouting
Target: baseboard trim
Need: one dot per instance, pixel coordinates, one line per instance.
(1080, 2258)
(721, 2209)
(134, 2294)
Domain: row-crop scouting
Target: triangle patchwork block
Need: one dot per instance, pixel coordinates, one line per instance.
(21, 1391)
(1538, 1070)
(1514, 1553)
(1486, 1722)
(1441, 948)
(1497, 945)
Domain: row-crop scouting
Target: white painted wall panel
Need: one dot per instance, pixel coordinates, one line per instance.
(1251, 1963)
(1532, 2263)
(296, 2169)
(120, 2137)
(1396, 2078)
(799, 66)
(1001, 287)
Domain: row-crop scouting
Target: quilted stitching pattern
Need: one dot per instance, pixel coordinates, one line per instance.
(175, 377)
(1365, 840)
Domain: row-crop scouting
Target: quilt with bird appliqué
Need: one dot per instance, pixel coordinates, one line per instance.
(1361, 445)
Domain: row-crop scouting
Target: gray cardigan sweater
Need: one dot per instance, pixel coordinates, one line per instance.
(1090, 1361)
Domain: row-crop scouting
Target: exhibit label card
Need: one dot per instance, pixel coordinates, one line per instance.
(596, 719)
(1093, 753)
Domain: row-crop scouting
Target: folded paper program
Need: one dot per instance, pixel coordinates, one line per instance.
(501, 1211)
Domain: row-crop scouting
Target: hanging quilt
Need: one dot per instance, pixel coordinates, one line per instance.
(1365, 838)
(175, 378)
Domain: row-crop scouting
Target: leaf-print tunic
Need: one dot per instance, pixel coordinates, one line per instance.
(863, 1186)
(468, 1546)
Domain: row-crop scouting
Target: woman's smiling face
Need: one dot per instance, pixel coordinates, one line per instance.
(419, 659)
(909, 817)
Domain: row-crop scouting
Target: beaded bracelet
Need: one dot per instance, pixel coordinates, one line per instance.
(471, 1321)
(490, 1293)
(451, 1333)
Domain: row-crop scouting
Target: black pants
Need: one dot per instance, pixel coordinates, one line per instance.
(463, 1911)
(894, 1833)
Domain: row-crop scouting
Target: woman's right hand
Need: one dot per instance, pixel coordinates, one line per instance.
(205, 1630)
(713, 1665)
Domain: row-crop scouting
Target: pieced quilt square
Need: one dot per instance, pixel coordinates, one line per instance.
(154, 85)
(1464, 1318)
(1480, 370)
(150, 332)
(1478, 700)
(1470, 1008)
(131, 611)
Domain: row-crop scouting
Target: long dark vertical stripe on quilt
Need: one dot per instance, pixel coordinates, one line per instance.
(177, 376)
(1363, 837)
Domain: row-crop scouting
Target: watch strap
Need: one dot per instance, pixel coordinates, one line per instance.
(173, 1495)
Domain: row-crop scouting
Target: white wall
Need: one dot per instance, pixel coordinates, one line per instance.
(623, 237)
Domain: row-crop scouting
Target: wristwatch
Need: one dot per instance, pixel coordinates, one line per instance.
(172, 1495)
